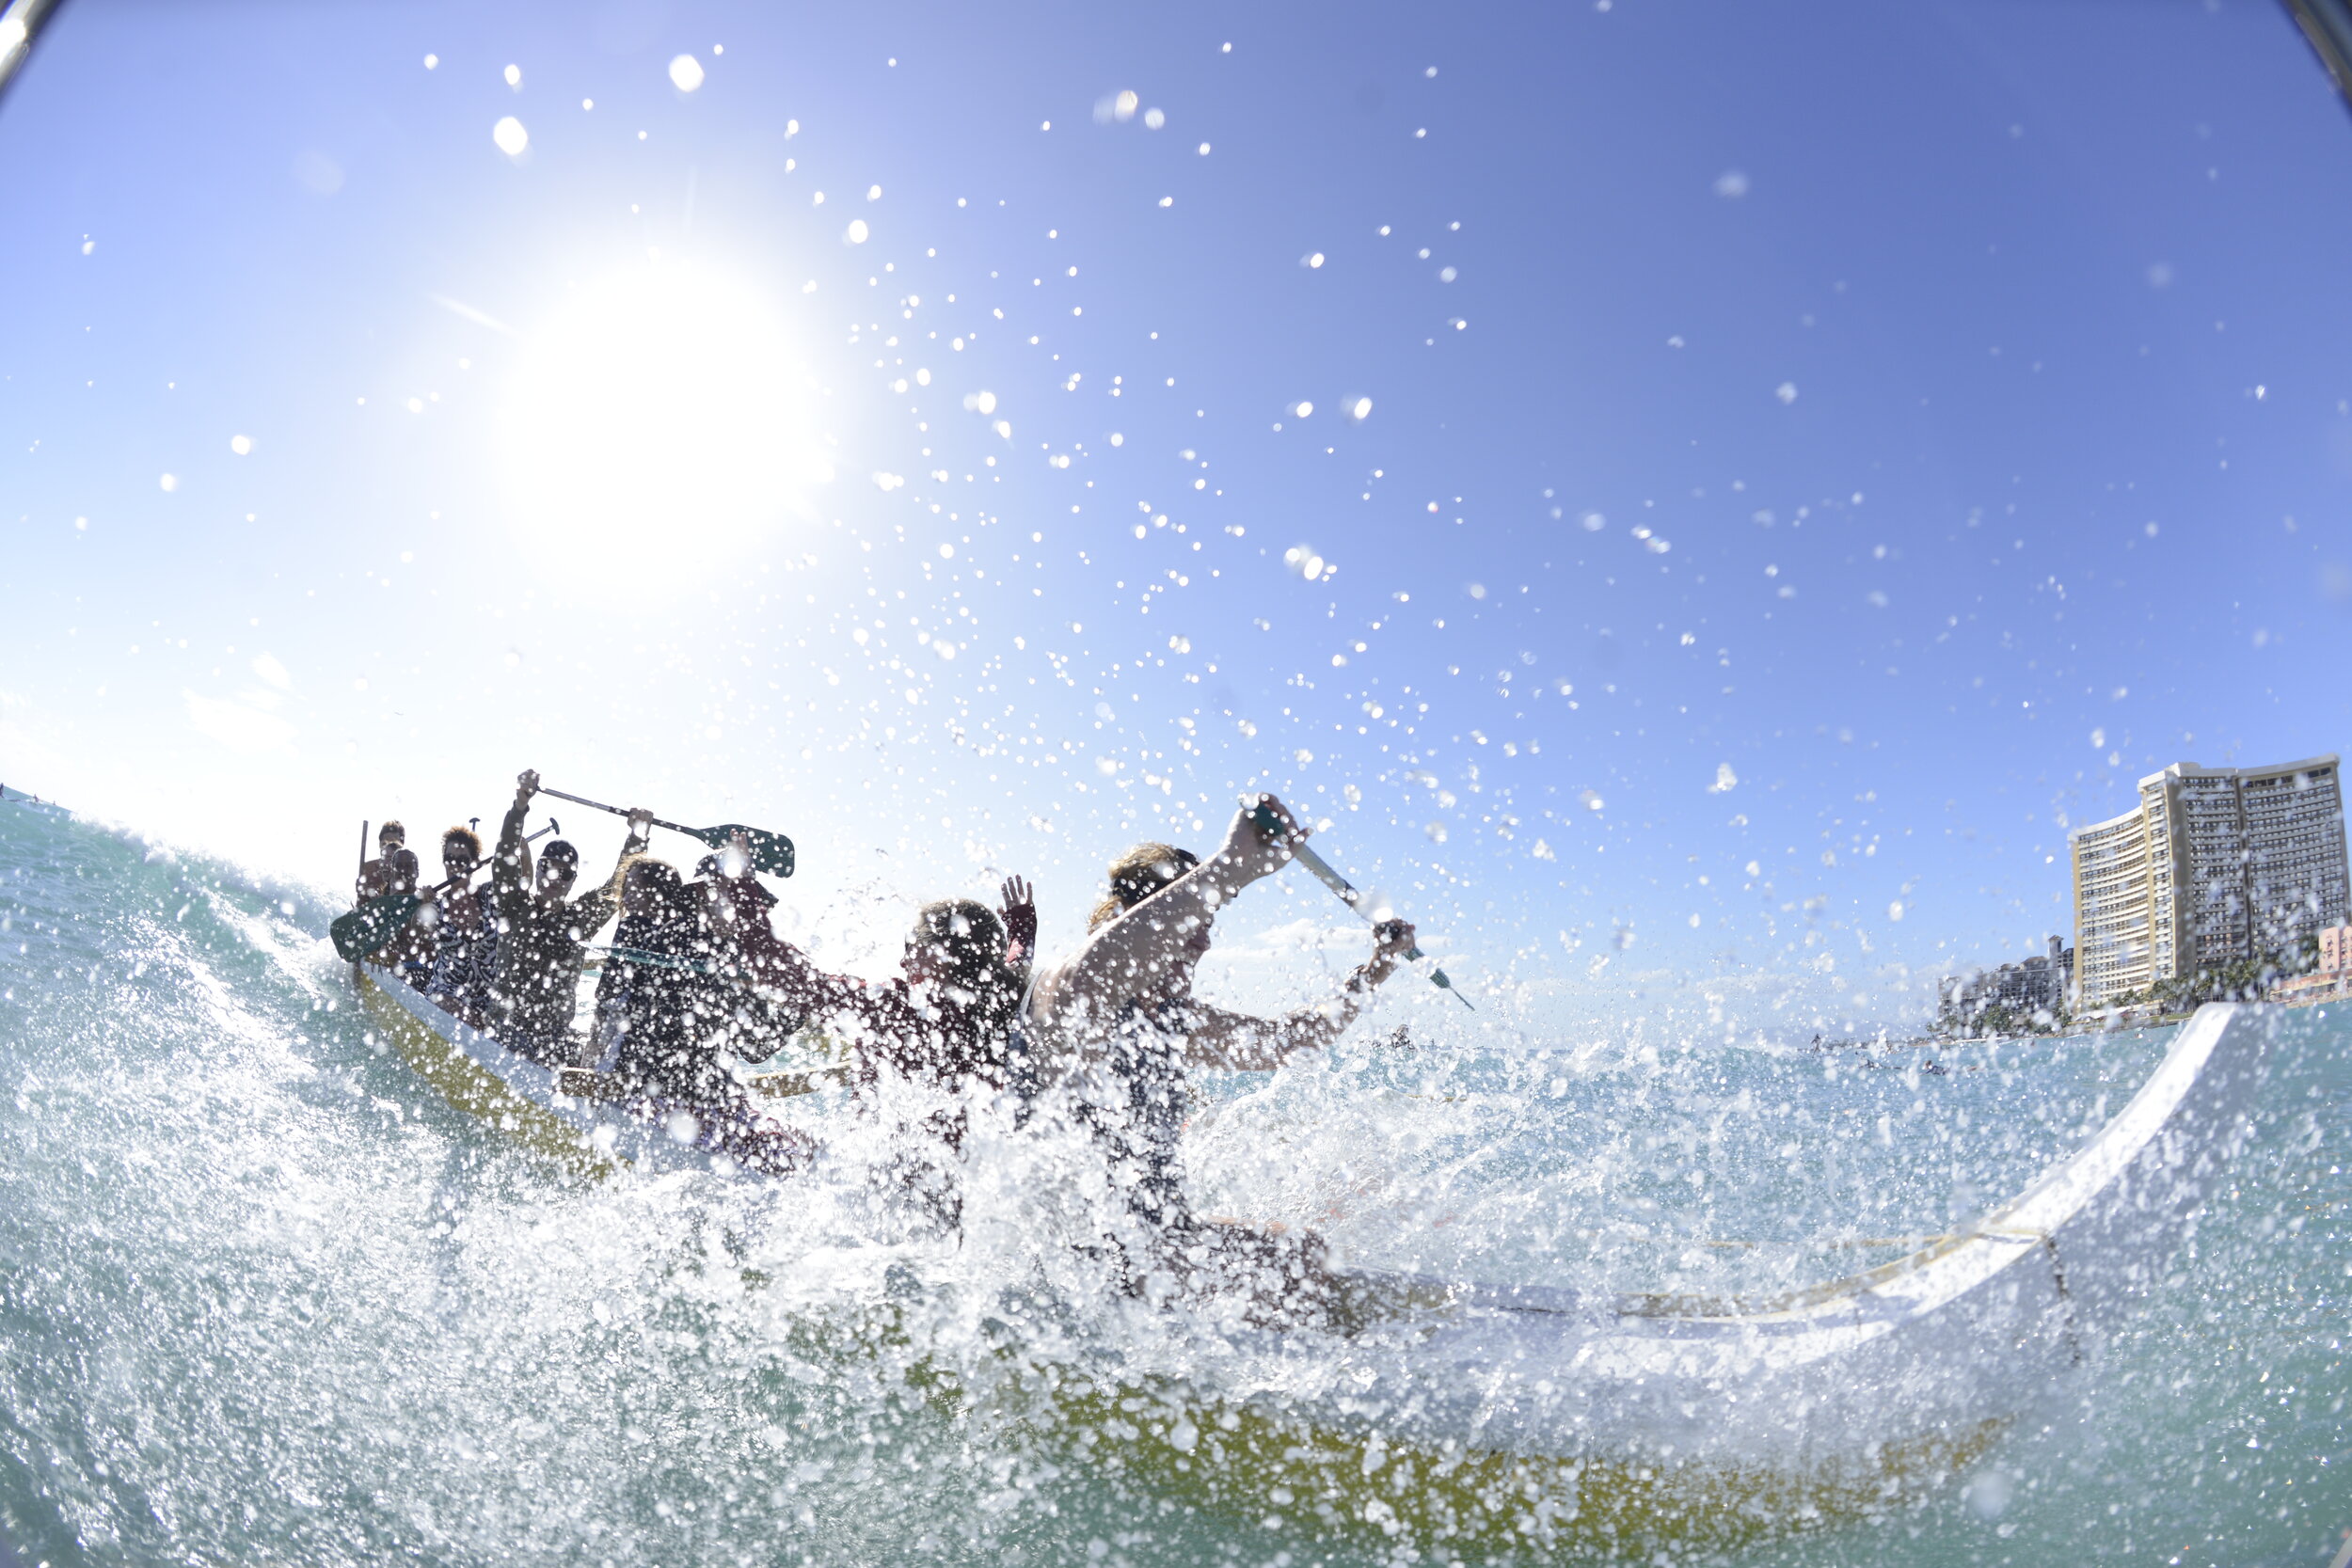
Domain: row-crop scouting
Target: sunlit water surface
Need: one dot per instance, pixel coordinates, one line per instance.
(265, 1298)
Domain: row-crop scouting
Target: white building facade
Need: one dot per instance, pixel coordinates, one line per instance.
(2216, 865)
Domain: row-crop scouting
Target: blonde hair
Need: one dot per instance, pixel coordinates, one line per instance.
(1136, 876)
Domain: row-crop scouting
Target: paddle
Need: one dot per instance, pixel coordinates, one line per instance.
(1272, 826)
(769, 852)
(380, 919)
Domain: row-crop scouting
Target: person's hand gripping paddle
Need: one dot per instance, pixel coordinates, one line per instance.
(768, 852)
(1271, 826)
(379, 919)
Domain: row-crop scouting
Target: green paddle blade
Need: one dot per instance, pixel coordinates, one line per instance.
(372, 925)
(771, 852)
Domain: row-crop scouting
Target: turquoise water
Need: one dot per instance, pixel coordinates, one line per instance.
(265, 1298)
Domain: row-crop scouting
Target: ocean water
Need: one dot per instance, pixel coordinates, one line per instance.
(265, 1299)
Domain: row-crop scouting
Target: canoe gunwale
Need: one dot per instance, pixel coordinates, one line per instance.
(594, 1133)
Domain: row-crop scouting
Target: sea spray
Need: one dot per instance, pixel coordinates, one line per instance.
(265, 1296)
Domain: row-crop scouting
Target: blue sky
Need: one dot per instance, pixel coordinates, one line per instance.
(1852, 442)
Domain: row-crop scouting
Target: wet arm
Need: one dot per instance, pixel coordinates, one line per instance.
(1124, 957)
(599, 904)
(1020, 917)
(506, 860)
(873, 1022)
(777, 967)
(1236, 1042)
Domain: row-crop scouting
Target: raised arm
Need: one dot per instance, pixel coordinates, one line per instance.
(1126, 956)
(1235, 1043)
(508, 881)
(599, 904)
(777, 967)
(1020, 917)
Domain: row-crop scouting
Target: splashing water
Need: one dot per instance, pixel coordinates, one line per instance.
(266, 1297)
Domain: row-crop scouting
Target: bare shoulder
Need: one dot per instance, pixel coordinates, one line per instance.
(1061, 1001)
(1050, 986)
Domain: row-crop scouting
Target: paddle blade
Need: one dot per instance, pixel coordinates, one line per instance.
(372, 925)
(771, 852)
(1445, 982)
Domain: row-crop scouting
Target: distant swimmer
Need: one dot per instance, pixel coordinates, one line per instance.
(541, 936)
(1106, 1036)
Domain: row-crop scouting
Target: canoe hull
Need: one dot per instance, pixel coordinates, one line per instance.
(1923, 1351)
(519, 1099)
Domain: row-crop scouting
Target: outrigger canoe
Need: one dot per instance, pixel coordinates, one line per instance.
(583, 1120)
(1493, 1416)
(1506, 1415)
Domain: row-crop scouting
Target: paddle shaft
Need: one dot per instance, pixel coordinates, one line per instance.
(769, 852)
(599, 805)
(1346, 890)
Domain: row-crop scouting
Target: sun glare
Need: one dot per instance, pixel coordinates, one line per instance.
(658, 412)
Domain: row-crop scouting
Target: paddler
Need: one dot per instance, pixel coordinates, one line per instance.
(647, 994)
(1106, 1038)
(941, 1023)
(938, 1029)
(541, 934)
(452, 915)
(394, 870)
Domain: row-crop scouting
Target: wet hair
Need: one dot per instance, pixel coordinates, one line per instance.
(747, 885)
(659, 876)
(391, 830)
(966, 935)
(972, 997)
(463, 838)
(664, 889)
(560, 852)
(1136, 876)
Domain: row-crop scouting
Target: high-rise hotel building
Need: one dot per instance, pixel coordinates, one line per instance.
(2214, 864)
